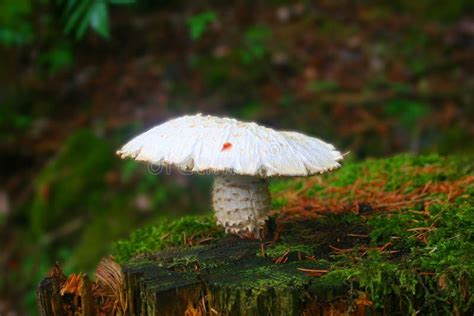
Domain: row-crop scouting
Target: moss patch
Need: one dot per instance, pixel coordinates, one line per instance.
(60, 184)
(418, 252)
(187, 231)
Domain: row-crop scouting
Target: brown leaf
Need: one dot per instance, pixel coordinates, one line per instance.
(442, 282)
(363, 300)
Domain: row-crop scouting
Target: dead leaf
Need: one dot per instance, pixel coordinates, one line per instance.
(363, 300)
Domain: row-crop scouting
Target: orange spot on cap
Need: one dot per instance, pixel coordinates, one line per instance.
(226, 146)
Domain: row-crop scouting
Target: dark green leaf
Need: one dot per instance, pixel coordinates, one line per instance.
(197, 24)
(78, 15)
(99, 18)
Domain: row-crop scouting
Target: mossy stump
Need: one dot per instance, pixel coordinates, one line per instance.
(227, 278)
(383, 237)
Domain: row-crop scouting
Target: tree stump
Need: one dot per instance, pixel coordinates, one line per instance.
(227, 278)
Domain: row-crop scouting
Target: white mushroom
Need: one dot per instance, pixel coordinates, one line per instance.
(241, 155)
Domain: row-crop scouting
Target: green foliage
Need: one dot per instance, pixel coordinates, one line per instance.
(56, 59)
(15, 28)
(128, 169)
(166, 233)
(60, 184)
(408, 112)
(82, 14)
(254, 46)
(319, 86)
(198, 23)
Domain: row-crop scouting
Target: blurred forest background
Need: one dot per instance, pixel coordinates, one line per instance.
(80, 77)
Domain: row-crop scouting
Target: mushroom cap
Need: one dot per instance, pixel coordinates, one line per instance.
(209, 144)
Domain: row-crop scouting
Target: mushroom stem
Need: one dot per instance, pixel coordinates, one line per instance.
(241, 203)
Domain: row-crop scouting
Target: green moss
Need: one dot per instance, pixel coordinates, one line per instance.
(409, 171)
(445, 255)
(283, 185)
(166, 233)
(279, 202)
(395, 170)
(279, 249)
(428, 276)
(394, 228)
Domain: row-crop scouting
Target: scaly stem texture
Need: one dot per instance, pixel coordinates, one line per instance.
(241, 203)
